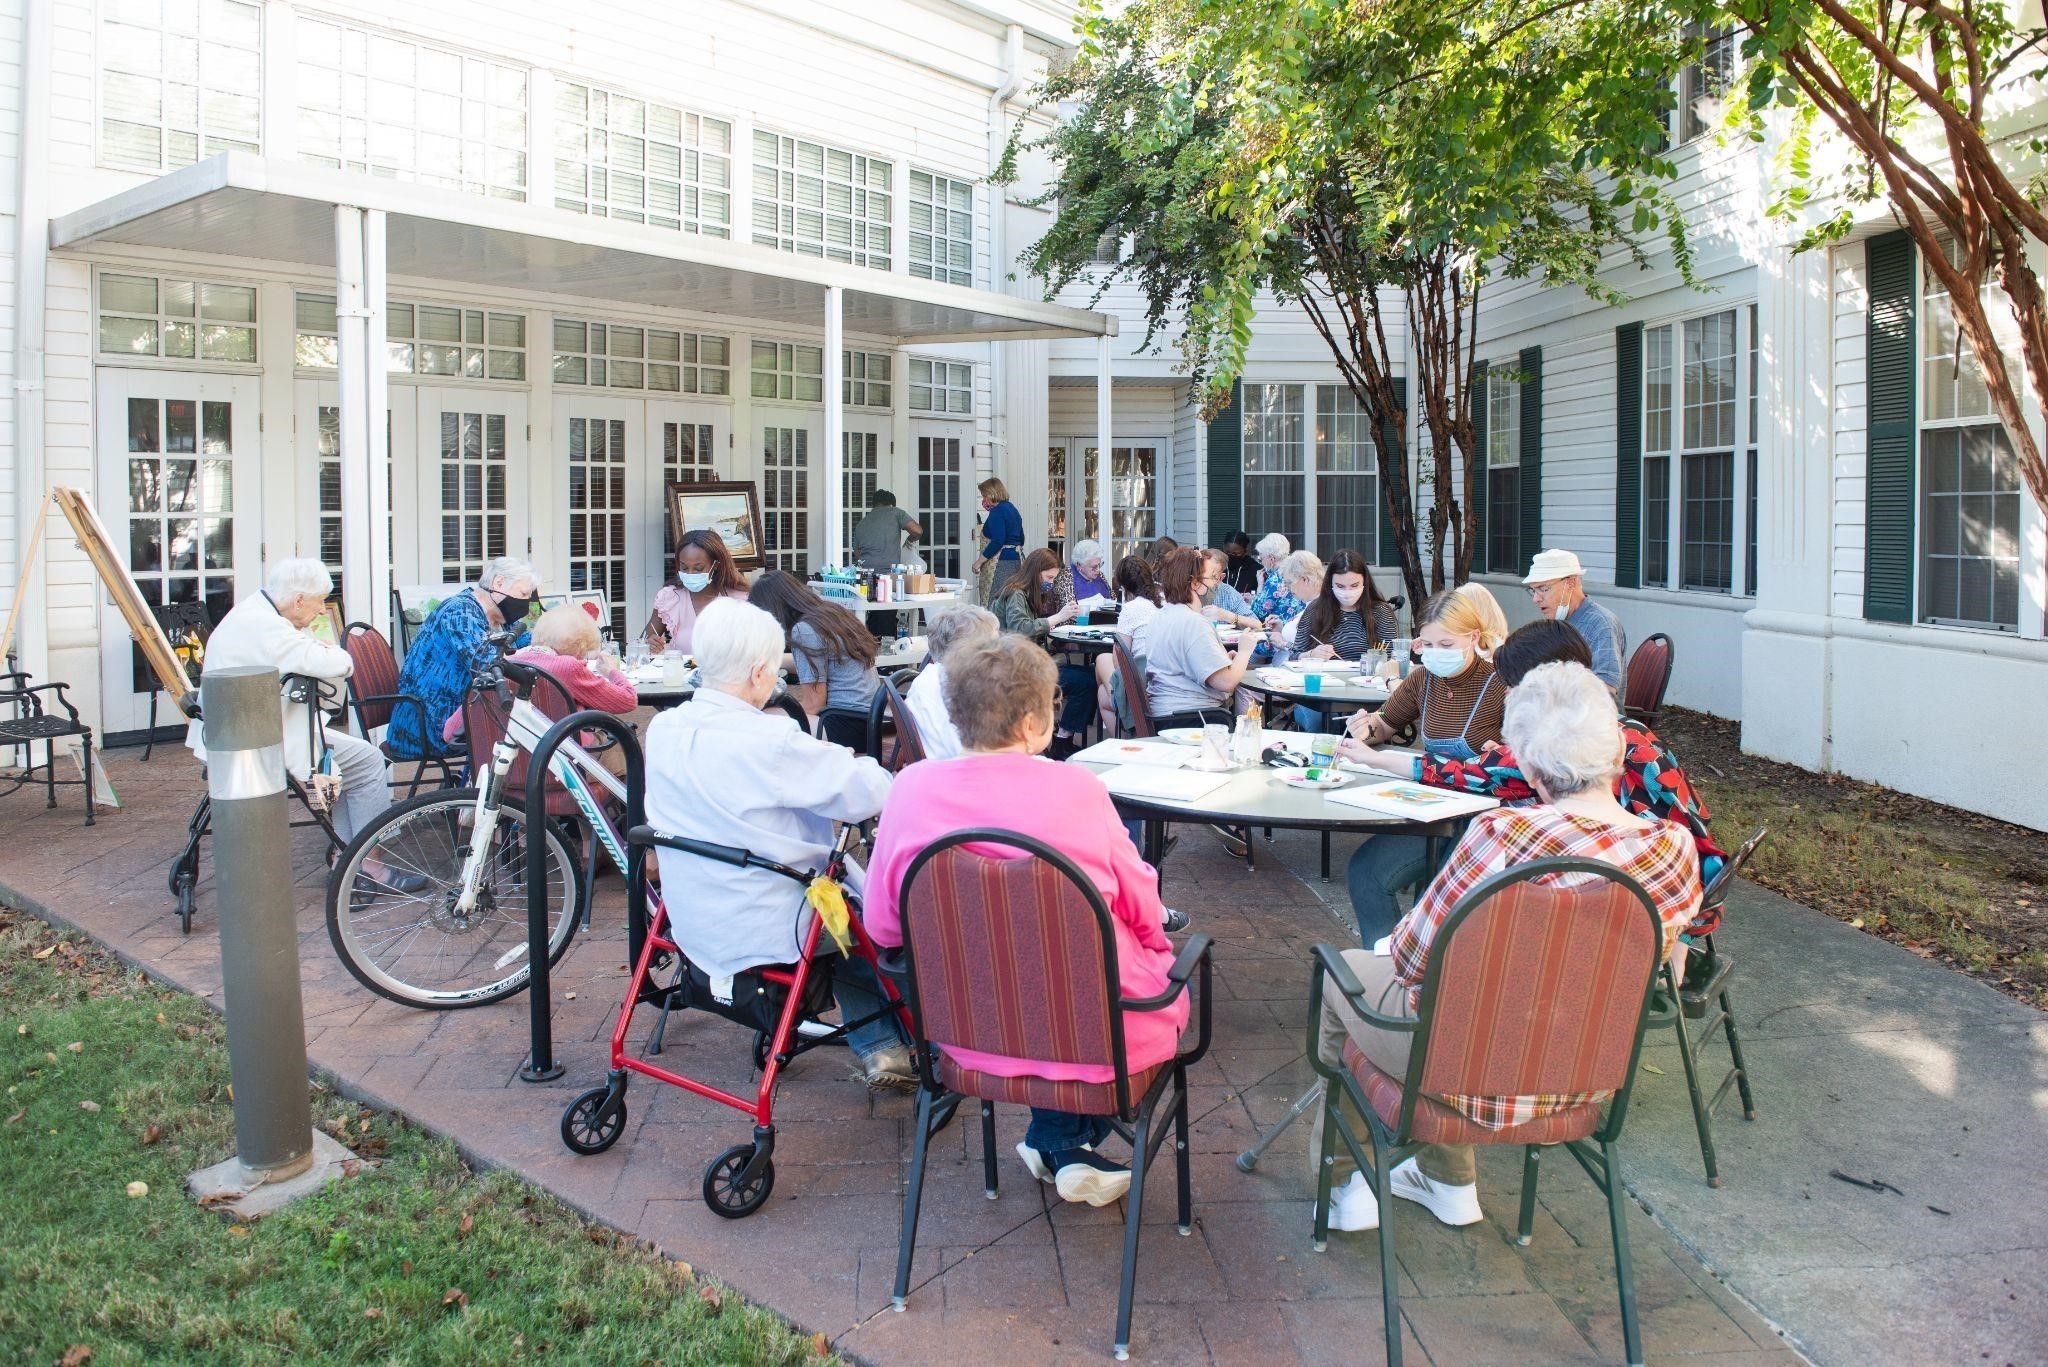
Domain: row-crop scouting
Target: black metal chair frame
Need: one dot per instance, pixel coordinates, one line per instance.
(184, 878)
(1393, 1144)
(356, 702)
(1703, 996)
(33, 721)
(935, 1105)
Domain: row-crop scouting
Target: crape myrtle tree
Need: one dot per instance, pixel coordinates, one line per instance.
(1374, 163)
(1936, 103)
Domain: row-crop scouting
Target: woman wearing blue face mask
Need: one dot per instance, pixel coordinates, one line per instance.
(1454, 702)
(704, 573)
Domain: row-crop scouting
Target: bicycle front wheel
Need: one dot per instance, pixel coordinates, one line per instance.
(393, 913)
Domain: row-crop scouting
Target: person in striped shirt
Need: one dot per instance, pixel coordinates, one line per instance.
(1562, 725)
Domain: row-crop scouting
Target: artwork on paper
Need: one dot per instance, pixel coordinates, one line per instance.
(732, 508)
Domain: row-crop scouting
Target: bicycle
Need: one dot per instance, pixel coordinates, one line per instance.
(443, 926)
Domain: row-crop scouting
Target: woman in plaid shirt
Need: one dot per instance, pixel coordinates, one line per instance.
(1561, 725)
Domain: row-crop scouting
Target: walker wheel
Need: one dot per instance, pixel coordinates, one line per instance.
(761, 1042)
(594, 1121)
(726, 1193)
(183, 887)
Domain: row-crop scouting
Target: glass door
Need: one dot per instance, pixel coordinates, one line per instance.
(790, 456)
(688, 444)
(603, 448)
(316, 428)
(472, 482)
(945, 504)
(180, 496)
(1133, 495)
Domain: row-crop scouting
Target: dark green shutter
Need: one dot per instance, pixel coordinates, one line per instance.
(1888, 486)
(1390, 440)
(1475, 515)
(1628, 455)
(1226, 468)
(1530, 533)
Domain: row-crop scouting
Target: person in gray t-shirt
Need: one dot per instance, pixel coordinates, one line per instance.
(1556, 581)
(878, 536)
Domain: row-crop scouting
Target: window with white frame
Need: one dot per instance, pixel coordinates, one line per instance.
(641, 161)
(860, 475)
(391, 106)
(1969, 513)
(1695, 419)
(178, 82)
(629, 356)
(441, 340)
(1311, 468)
(822, 201)
(1109, 249)
(1056, 494)
(866, 381)
(158, 317)
(941, 228)
(1503, 470)
(1702, 83)
(327, 449)
(941, 386)
(789, 370)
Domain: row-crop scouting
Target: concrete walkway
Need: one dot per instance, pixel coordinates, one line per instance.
(1868, 1060)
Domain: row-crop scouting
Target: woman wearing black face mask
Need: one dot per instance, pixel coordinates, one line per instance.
(451, 645)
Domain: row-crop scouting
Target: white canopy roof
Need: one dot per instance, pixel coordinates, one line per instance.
(241, 205)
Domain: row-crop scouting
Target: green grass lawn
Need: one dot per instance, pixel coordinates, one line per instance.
(416, 1258)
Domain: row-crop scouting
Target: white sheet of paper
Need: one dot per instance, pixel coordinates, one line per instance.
(1412, 800)
(1138, 780)
(1151, 754)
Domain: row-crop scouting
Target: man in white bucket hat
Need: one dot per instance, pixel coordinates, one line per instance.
(1557, 582)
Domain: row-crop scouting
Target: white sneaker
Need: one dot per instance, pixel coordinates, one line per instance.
(1451, 1205)
(1035, 1161)
(1353, 1207)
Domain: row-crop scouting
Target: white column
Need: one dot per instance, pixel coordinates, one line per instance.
(358, 547)
(377, 426)
(835, 431)
(1105, 528)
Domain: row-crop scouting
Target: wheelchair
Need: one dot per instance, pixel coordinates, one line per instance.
(318, 695)
(782, 1004)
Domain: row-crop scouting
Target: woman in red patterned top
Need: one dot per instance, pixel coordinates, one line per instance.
(1560, 722)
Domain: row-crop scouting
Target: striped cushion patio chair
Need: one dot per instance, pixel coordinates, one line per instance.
(1016, 955)
(1532, 989)
(1647, 676)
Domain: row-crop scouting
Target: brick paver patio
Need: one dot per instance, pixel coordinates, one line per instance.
(1023, 1278)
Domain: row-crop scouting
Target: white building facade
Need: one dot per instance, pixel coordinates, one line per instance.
(1779, 471)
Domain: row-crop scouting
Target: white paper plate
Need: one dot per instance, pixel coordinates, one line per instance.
(1182, 735)
(1298, 778)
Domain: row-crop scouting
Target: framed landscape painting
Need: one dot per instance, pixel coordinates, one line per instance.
(732, 508)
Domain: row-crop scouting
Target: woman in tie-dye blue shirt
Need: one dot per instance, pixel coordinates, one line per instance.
(451, 646)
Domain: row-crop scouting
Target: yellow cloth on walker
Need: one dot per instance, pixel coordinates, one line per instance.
(828, 900)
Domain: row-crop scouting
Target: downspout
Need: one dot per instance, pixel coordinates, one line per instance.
(998, 255)
(31, 256)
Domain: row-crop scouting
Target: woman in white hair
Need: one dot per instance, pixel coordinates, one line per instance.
(267, 630)
(1561, 724)
(946, 634)
(722, 770)
(1300, 583)
(449, 648)
(1085, 575)
(1273, 549)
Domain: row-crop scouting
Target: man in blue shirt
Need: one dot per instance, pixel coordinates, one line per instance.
(1556, 581)
(451, 646)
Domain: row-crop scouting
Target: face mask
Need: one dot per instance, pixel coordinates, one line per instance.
(1558, 613)
(1348, 597)
(1445, 663)
(695, 583)
(515, 609)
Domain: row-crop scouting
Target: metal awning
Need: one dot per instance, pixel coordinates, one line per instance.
(241, 205)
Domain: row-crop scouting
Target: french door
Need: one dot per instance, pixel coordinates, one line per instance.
(1073, 467)
(864, 457)
(472, 468)
(791, 452)
(609, 541)
(688, 443)
(942, 455)
(317, 465)
(180, 494)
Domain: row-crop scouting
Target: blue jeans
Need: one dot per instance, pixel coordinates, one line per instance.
(1077, 690)
(1310, 719)
(1052, 1132)
(859, 993)
(1379, 869)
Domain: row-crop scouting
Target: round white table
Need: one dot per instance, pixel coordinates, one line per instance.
(651, 682)
(1340, 692)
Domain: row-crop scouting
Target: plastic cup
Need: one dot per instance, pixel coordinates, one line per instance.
(1322, 749)
(1312, 683)
(675, 672)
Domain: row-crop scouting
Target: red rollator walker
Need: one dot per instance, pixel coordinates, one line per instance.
(783, 1004)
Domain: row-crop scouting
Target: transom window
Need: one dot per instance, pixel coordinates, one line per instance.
(1311, 468)
(866, 383)
(628, 356)
(375, 102)
(821, 201)
(1503, 471)
(176, 320)
(941, 386)
(1696, 416)
(178, 82)
(640, 161)
(1969, 511)
(440, 340)
(941, 228)
(789, 370)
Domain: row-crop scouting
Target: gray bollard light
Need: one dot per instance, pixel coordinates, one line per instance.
(259, 939)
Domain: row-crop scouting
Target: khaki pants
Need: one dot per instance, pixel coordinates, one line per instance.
(1388, 1051)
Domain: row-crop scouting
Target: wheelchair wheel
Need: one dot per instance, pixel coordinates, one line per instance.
(413, 945)
(726, 1193)
(594, 1121)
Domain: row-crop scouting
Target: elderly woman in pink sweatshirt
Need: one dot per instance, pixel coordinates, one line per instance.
(1001, 695)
